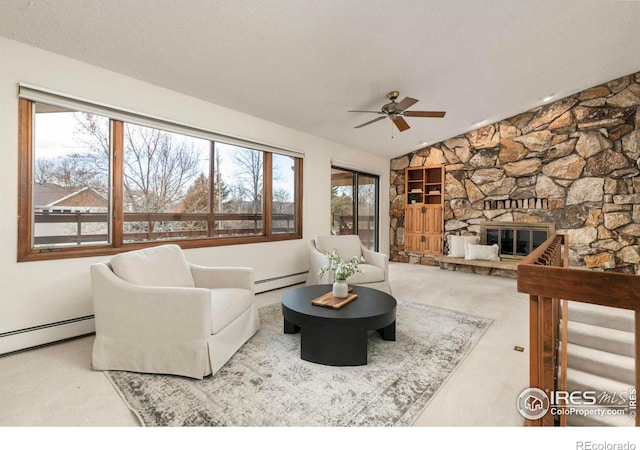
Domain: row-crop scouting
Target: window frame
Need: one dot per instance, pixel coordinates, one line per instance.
(27, 252)
(355, 185)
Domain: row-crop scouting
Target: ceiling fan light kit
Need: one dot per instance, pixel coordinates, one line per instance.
(397, 112)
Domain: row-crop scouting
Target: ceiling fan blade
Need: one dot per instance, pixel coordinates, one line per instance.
(370, 122)
(375, 112)
(405, 103)
(401, 123)
(424, 113)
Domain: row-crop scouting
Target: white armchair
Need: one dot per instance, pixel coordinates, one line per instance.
(375, 271)
(157, 313)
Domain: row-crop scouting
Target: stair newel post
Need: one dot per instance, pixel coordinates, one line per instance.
(543, 349)
(549, 333)
(535, 347)
(564, 338)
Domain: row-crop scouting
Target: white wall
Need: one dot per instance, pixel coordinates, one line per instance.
(33, 294)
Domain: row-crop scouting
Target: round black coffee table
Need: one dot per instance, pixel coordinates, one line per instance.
(338, 337)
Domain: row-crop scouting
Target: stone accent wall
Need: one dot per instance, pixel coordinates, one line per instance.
(573, 162)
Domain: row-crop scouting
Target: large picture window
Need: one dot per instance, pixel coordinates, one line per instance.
(93, 184)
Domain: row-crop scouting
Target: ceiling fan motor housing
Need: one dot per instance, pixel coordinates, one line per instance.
(389, 108)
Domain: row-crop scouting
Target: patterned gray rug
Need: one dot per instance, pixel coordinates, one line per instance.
(267, 384)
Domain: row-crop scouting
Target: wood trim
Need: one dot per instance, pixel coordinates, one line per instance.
(117, 188)
(213, 182)
(564, 340)
(25, 171)
(534, 349)
(25, 252)
(580, 285)
(89, 251)
(299, 191)
(548, 339)
(267, 194)
(542, 351)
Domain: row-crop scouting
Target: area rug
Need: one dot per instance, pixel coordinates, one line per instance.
(267, 384)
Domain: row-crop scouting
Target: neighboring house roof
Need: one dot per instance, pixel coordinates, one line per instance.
(52, 195)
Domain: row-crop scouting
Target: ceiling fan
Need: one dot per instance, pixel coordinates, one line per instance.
(397, 112)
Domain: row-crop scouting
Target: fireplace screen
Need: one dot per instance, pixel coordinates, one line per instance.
(516, 240)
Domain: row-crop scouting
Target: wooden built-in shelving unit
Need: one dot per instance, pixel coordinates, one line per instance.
(424, 195)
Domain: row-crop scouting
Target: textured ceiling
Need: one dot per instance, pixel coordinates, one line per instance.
(305, 63)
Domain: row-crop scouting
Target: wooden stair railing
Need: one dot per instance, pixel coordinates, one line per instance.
(544, 275)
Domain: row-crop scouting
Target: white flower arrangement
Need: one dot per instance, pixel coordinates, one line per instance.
(341, 269)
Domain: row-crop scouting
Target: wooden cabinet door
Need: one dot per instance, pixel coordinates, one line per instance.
(432, 244)
(423, 229)
(433, 229)
(413, 243)
(423, 243)
(414, 219)
(432, 219)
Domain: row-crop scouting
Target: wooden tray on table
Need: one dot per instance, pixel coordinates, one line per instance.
(329, 301)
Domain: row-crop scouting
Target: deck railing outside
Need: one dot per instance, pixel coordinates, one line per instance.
(91, 227)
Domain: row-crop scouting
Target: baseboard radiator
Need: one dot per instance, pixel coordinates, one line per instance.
(34, 336)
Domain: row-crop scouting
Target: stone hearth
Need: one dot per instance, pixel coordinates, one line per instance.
(573, 163)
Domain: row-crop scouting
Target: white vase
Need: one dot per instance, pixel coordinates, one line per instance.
(340, 289)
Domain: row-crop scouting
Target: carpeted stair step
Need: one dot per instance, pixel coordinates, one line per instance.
(598, 362)
(600, 357)
(601, 338)
(602, 316)
(582, 381)
(578, 380)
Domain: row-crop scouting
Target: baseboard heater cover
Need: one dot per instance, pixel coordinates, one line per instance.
(24, 338)
(270, 284)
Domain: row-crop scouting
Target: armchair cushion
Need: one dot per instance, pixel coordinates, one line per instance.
(370, 274)
(346, 246)
(161, 266)
(227, 305)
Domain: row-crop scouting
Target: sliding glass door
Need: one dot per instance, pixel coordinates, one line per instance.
(354, 205)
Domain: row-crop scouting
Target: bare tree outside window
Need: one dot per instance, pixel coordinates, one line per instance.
(242, 168)
(249, 169)
(71, 188)
(284, 202)
(159, 168)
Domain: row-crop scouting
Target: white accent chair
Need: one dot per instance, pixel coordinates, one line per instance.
(157, 313)
(375, 271)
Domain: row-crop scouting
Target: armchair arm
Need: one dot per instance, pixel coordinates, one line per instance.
(377, 259)
(317, 260)
(127, 311)
(223, 277)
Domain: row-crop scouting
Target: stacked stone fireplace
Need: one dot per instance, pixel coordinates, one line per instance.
(572, 163)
